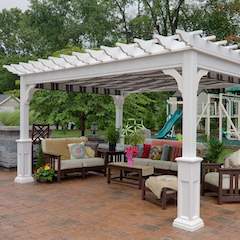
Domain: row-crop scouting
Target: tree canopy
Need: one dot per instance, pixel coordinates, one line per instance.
(52, 27)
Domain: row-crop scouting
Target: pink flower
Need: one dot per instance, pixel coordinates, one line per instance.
(131, 150)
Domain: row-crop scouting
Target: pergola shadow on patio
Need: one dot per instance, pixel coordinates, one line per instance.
(187, 61)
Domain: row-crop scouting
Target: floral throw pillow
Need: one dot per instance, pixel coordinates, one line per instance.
(89, 152)
(77, 150)
(155, 153)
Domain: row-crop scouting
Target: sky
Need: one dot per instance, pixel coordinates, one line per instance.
(22, 4)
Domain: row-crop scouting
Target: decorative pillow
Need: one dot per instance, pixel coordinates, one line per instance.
(146, 150)
(83, 139)
(140, 150)
(89, 152)
(166, 150)
(77, 150)
(155, 153)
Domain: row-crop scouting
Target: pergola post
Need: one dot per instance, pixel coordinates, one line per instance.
(188, 214)
(119, 102)
(24, 144)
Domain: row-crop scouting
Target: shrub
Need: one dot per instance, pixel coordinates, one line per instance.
(12, 118)
(215, 147)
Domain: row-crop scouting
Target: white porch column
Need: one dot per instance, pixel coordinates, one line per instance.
(24, 144)
(188, 212)
(119, 102)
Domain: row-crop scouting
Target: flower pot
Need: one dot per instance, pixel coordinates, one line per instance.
(43, 181)
(112, 147)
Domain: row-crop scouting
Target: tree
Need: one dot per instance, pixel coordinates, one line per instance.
(216, 17)
(164, 14)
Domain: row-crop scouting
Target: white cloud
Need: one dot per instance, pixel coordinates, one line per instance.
(22, 4)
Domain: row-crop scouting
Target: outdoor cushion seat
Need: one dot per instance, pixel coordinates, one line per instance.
(174, 166)
(158, 164)
(70, 164)
(142, 161)
(79, 163)
(213, 179)
(57, 152)
(93, 162)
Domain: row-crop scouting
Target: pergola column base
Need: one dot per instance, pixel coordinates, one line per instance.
(24, 161)
(188, 217)
(188, 225)
(24, 179)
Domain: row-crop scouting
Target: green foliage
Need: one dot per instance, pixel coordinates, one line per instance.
(12, 118)
(135, 138)
(215, 147)
(60, 108)
(40, 159)
(179, 137)
(112, 134)
(9, 118)
(55, 27)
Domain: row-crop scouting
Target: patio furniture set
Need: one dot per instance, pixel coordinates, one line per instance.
(156, 176)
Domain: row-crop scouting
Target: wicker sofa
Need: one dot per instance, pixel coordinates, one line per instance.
(56, 152)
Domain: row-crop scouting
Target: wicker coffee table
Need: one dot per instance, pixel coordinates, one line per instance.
(140, 172)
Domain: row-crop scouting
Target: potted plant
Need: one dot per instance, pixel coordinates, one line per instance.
(45, 174)
(112, 137)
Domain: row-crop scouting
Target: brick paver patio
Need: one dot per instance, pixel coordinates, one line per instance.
(90, 209)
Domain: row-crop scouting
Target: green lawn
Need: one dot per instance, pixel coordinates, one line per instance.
(74, 133)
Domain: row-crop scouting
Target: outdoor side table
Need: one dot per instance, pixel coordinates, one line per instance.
(109, 156)
(140, 170)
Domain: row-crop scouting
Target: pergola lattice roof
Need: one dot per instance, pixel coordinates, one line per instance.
(134, 78)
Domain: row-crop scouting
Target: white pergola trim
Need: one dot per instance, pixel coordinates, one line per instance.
(187, 61)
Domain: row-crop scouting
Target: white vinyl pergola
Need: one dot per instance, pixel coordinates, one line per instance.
(187, 61)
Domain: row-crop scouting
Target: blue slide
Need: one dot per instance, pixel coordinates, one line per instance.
(169, 124)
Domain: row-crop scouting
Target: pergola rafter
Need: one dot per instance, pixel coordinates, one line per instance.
(187, 61)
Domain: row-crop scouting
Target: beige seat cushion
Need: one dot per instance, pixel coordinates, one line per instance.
(59, 146)
(93, 162)
(141, 161)
(166, 165)
(213, 179)
(80, 163)
(174, 166)
(160, 164)
(70, 164)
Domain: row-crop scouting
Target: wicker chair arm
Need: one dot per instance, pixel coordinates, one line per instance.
(211, 166)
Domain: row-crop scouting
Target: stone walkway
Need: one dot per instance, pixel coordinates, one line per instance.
(90, 209)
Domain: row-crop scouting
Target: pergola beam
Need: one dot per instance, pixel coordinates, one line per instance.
(134, 65)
